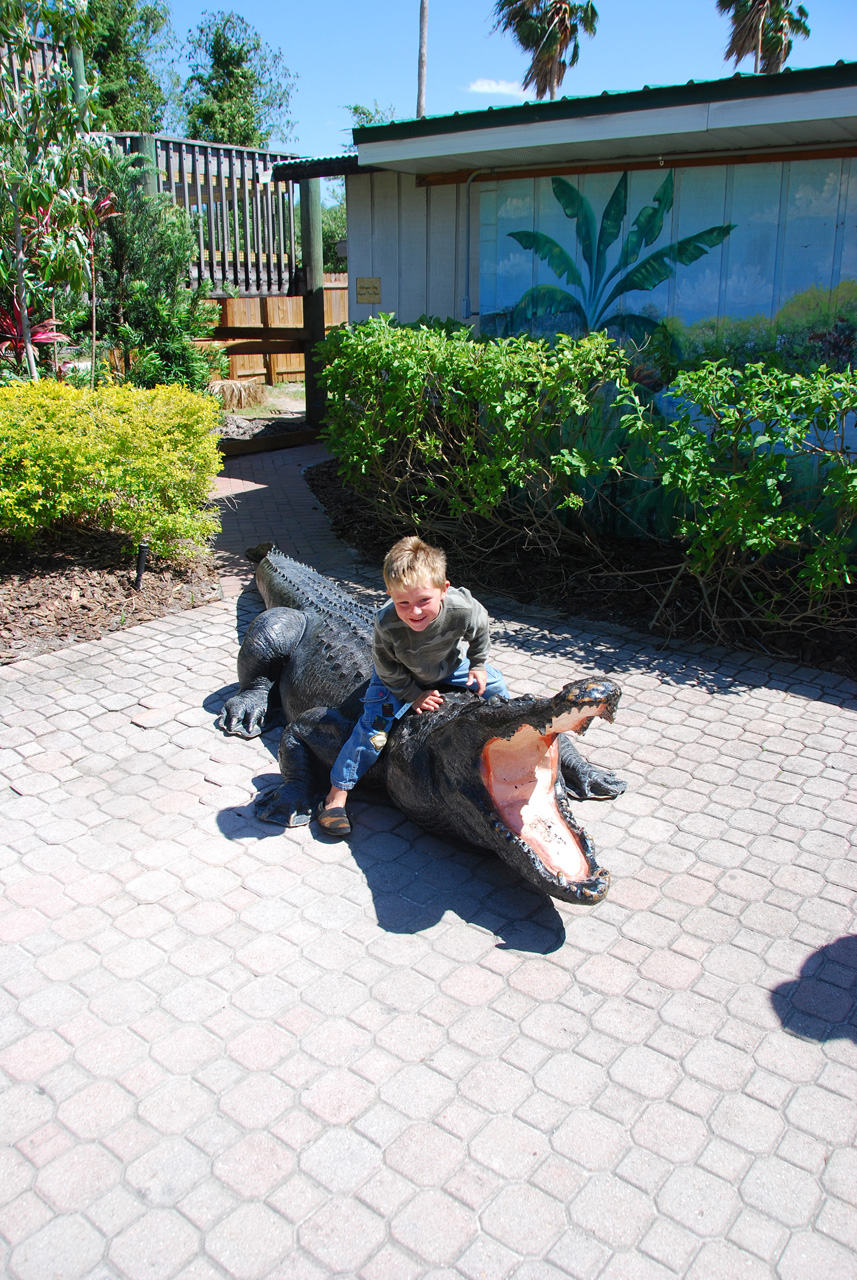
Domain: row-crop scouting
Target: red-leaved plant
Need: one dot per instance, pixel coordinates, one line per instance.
(12, 337)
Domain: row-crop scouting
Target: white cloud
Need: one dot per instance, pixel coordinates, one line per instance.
(499, 88)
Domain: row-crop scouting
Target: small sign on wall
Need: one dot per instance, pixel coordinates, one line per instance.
(369, 290)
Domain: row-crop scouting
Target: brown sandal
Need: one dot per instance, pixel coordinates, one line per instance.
(334, 821)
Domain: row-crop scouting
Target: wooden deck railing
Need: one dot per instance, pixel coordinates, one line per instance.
(245, 223)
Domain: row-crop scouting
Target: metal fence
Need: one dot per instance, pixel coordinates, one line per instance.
(245, 223)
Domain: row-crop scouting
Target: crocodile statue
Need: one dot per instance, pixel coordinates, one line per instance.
(497, 774)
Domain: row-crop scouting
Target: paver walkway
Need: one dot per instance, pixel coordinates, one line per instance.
(232, 1051)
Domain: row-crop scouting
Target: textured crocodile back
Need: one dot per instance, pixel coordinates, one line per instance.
(287, 584)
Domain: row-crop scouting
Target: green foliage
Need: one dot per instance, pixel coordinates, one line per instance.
(140, 462)
(515, 446)
(118, 44)
(145, 306)
(44, 150)
(592, 309)
(334, 227)
(239, 90)
(434, 427)
(737, 453)
(362, 116)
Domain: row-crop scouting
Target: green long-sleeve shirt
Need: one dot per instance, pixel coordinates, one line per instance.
(408, 662)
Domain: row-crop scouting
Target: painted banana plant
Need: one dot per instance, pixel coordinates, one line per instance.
(593, 305)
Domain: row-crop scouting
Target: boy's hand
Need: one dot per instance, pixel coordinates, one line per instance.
(479, 677)
(430, 701)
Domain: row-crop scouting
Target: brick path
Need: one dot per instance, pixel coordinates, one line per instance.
(229, 1051)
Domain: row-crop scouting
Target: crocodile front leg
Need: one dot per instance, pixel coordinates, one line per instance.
(585, 781)
(269, 643)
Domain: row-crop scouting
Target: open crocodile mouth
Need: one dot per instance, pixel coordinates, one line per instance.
(520, 774)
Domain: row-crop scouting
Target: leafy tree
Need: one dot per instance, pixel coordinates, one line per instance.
(44, 149)
(239, 90)
(548, 30)
(122, 34)
(765, 29)
(362, 116)
(333, 228)
(146, 307)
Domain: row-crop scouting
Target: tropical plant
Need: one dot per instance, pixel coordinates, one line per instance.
(145, 309)
(44, 149)
(238, 91)
(549, 31)
(593, 305)
(765, 29)
(12, 345)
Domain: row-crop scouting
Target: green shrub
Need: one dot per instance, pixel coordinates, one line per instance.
(505, 447)
(476, 439)
(757, 462)
(140, 462)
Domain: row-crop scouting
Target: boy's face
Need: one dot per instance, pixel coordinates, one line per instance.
(419, 604)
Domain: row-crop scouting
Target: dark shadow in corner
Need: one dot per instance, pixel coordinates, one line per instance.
(821, 1004)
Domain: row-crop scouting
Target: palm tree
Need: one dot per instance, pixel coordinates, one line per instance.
(763, 28)
(548, 30)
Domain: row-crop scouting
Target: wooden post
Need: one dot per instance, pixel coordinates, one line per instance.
(78, 78)
(143, 144)
(313, 264)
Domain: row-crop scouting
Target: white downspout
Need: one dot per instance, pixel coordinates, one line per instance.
(465, 301)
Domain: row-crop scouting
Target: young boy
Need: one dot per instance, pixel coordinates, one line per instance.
(428, 634)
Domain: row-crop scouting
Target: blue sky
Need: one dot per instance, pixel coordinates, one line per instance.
(344, 52)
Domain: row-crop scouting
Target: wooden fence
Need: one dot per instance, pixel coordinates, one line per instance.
(245, 223)
(265, 338)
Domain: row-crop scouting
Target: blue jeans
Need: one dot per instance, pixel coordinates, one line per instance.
(381, 709)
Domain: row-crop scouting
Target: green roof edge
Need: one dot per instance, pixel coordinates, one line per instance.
(739, 85)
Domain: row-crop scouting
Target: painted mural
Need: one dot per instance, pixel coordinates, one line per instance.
(747, 262)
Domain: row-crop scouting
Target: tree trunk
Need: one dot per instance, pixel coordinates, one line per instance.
(421, 66)
(762, 15)
(21, 289)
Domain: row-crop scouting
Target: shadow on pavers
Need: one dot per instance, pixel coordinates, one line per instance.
(821, 1004)
(417, 878)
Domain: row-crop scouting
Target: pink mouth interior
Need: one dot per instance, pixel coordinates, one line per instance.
(520, 775)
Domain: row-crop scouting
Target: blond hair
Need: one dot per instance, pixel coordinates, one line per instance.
(413, 562)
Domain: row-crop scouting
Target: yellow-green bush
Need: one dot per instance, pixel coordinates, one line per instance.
(140, 462)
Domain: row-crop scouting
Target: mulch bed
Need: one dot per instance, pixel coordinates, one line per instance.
(627, 588)
(78, 584)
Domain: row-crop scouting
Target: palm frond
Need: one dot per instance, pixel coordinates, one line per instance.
(658, 266)
(559, 261)
(576, 207)
(548, 300)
